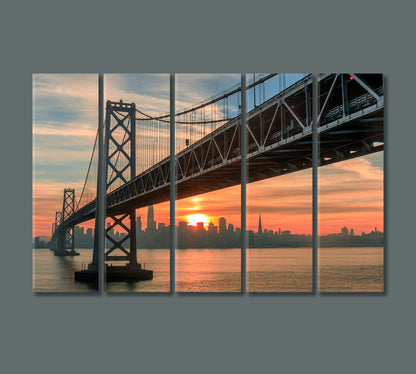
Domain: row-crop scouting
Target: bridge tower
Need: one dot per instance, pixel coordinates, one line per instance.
(58, 219)
(52, 242)
(55, 227)
(120, 167)
(65, 245)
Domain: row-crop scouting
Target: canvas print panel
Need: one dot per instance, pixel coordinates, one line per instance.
(65, 121)
(279, 189)
(137, 254)
(351, 178)
(208, 205)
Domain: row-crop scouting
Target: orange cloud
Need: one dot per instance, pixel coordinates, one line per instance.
(351, 194)
(223, 203)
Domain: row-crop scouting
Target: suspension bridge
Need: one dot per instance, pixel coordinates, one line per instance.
(208, 148)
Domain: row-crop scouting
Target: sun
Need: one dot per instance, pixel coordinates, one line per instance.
(193, 219)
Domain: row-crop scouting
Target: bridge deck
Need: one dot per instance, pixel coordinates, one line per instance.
(279, 142)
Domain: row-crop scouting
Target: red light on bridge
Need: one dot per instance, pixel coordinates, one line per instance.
(351, 78)
(292, 106)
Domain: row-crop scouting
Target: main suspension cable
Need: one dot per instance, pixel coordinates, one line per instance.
(204, 104)
(88, 171)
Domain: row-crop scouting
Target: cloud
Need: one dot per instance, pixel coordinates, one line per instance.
(65, 119)
(81, 130)
(351, 194)
(358, 169)
(192, 89)
(223, 203)
(66, 88)
(150, 92)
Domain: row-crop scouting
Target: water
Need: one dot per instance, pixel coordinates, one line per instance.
(208, 270)
(219, 270)
(339, 269)
(351, 269)
(56, 274)
(157, 260)
(279, 270)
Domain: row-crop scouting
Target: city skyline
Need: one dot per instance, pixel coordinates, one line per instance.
(221, 226)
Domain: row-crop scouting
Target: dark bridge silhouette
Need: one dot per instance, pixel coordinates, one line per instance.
(279, 141)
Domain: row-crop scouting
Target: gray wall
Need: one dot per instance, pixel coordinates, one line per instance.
(206, 334)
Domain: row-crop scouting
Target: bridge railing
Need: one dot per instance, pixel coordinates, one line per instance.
(354, 105)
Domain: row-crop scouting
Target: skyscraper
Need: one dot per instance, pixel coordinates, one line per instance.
(151, 224)
(90, 238)
(222, 225)
(260, 229)
(212, 228)
(139, 223)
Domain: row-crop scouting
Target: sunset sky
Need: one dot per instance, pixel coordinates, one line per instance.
(64, 128)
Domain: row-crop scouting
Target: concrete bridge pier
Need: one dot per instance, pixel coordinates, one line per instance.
(65, 243)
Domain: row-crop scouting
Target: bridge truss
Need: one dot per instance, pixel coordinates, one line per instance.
(279, 141)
